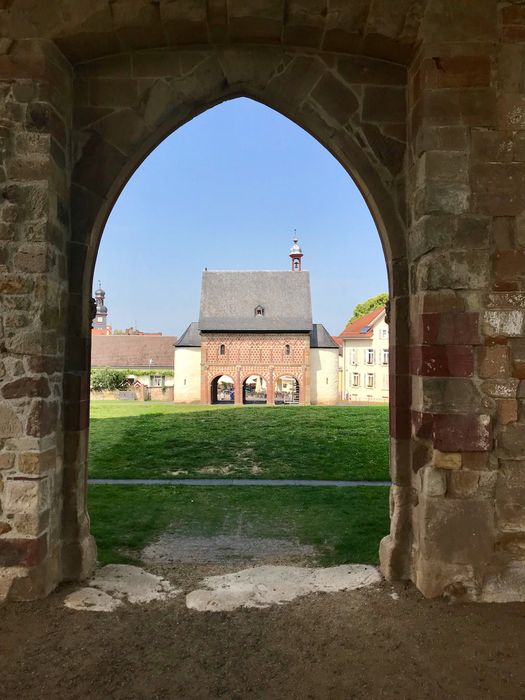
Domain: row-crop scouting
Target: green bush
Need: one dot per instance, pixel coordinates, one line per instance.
(107, 379)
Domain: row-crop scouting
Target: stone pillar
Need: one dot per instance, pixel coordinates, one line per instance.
(467, 201)
(270, 389)
(35, 85)
(238, 387)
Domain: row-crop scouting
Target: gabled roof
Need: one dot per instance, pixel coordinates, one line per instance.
(321, 338)
(229, 301)
(133, 351)
(191, 337)
(363, 327)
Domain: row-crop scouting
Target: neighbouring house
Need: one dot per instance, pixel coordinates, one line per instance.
(149, 359)
(255, 342)
(365, 358)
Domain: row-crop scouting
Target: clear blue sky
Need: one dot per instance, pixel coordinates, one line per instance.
(225, 192)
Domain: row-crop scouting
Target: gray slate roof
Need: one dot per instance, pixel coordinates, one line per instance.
(321, 338)
(229, 300)
(190, 338)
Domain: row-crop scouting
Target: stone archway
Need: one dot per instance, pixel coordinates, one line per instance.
(222, 389)
(432, 136)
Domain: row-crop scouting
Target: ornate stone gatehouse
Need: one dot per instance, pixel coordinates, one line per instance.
(255, 342)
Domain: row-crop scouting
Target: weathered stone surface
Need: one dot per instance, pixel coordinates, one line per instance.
(42, 418)
(511, 441)
(26, 386)
(10, 425)
(456, 433)
(493, 362)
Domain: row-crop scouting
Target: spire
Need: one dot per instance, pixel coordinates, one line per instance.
(101, 309)
(296, 253)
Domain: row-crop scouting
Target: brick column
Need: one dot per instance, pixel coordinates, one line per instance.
(270, 389)
(238, 386)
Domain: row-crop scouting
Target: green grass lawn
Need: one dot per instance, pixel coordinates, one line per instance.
(344, 524)
(147, 440)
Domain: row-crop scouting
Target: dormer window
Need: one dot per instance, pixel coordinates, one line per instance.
(259, 311)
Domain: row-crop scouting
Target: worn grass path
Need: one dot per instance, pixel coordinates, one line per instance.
(344, 525)
(163, 441)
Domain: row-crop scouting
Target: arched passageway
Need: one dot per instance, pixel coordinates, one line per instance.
(89, 94)
(287, 390)
(254, 390)
(222, 390)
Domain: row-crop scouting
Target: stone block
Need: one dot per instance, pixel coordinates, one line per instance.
(504, 324)
(361, 70)
(7, 460)
(335, 98)
(463, 484)
(456, 72)
(511, 441)
(42, 419)
(10, 425)
(113, 92)
(456, 530)
(492, 146)
(384, 103)
(450, 395)
(457, 433)
(445, 166)
(23, 552)
(442, 360)
(26, 386)
(498, 189)
(453, 270)
(446, 460)
(493, 362)
(507, 411)
(26, 495)
(476, 460)
(517, 349)
(433, 481)
(501, 388)
(504, 583)
(36, 462)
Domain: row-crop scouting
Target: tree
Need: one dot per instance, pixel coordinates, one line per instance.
(369, 305)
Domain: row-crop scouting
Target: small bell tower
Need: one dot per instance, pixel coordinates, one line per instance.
(296, 254)
(101, 317)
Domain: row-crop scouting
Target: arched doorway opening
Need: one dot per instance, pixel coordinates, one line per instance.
(254, 390)
(287, 390)
(222, 390)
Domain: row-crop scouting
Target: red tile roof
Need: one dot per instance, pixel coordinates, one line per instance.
(354, 328)
(133, 351)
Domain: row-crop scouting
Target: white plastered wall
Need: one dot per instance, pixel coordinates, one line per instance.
(324, 367)
(187, 386)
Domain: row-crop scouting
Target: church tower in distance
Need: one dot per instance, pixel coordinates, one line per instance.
(296, 254)
(101, 317)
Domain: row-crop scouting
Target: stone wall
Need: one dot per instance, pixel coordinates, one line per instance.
(422, 102)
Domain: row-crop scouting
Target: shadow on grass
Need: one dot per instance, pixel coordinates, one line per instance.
(344, 525)
(283, 442)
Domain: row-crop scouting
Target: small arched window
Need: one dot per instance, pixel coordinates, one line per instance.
(222, 350)
(286, 349)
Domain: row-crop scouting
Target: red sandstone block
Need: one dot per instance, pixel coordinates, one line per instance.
(457, 433)
(442, 360)
(513, 15)
(456, 71)
(449, 328)
(23, 552)
(401, 389)
(400, 422)
(509, 267)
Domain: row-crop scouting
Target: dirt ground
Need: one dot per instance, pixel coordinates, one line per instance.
(359, 644)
